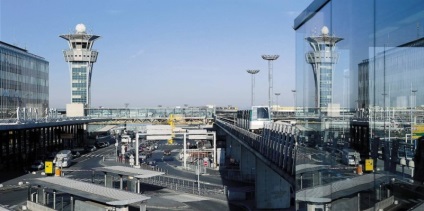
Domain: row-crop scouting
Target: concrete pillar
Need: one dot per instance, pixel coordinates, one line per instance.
(272, 191)
(247, 164)
(228, 147)
(121, 182)
(236, 150)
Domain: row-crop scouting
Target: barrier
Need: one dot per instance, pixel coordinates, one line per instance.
(359, 169)
(57, 172)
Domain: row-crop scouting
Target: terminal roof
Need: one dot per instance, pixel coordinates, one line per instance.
(339, 189)
(91, 191)
(106, 128)
(129, 171)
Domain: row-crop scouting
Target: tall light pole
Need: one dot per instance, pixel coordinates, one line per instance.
(413, 91)
(253, 72)
(294, 97)
(277, 94)
(270, 59)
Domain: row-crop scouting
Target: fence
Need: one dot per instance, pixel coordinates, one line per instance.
(187, 186)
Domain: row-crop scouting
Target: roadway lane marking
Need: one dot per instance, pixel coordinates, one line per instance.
(184, 198)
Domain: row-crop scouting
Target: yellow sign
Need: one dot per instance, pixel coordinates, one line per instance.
(48, 169)
(369, 164)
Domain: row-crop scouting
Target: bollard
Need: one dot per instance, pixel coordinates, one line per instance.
(57, 172)
(359, 169)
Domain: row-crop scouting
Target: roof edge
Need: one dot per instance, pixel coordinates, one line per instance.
(309, 12)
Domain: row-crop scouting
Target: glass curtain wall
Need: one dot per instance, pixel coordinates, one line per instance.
(359, 75)
(23, 81)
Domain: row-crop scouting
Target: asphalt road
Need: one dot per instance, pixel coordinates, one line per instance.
(81, 169)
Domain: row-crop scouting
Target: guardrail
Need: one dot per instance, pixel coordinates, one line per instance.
(277, 143)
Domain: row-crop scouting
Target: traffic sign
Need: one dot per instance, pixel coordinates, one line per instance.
(205, 163)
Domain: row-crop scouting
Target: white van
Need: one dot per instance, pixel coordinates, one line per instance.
(125, 139)
(63, 158)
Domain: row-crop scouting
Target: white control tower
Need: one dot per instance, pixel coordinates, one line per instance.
(322, 59)
(80, 58)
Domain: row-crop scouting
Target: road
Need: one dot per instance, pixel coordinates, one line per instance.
(160, 197)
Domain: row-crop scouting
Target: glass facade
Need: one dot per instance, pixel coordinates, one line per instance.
(368, 108)
(79, 83)
(24, 81)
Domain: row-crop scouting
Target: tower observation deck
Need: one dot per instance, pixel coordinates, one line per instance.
(80, 58)
(322, 58)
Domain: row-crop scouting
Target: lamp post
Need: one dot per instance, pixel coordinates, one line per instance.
(116, 149)
(413, 91)
(277, 94)
(253, 72)
(294, 100)
(270, 59)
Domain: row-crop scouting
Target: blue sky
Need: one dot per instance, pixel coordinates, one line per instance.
(163, 52)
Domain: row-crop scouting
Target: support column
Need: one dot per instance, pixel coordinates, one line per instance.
(20, 154)
(138, 186)
(105, 178)
(121, 182)
(271, 190)
(247, 165)
(236, 151)
(14, 154)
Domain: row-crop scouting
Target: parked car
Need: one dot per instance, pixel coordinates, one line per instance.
(167, 152)
(152, 164)
(75, 153)
(129, 153)
(90, 148)
(100, 144)
(37, 165)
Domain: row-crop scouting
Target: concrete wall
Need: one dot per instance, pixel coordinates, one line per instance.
(89, 205)
(247, 164)
(37, 207)
(272, 191)
(75, 110)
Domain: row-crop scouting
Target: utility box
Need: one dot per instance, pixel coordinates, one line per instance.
(48, 167)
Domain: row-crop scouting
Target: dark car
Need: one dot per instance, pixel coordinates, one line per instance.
(75, 153)
(167, 152)
(37, 165)
(90, 148)
(129, 153)
(100, 144)
(152, 164)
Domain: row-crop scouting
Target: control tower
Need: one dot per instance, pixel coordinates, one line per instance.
(80, 58)
(322, 58)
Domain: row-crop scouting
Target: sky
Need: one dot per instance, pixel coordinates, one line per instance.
(163, 52)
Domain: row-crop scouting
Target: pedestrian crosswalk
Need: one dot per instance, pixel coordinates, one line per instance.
(411, 201)
(7, 207)
(92, 155)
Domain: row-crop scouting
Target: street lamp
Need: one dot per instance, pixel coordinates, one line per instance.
(413, 91)
(116, 150)
(277, 94)
(253, 72)
(294, 99)
(270, 59)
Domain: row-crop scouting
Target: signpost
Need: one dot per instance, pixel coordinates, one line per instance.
(205, 163)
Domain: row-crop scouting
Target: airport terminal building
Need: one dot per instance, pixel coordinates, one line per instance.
(359, 86)
(24, 81)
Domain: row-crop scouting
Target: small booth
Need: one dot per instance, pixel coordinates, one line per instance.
(128, 172)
